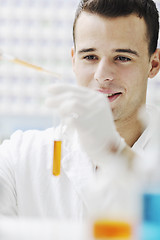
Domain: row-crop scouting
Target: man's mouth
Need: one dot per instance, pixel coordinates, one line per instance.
(112, 96)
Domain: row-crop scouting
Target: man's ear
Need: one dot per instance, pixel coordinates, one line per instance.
(73, 57)
(155, 63)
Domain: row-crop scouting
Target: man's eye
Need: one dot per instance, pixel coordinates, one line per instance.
(90, 57)
(123, 59)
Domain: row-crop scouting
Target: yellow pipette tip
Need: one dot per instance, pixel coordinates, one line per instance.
(27, 64)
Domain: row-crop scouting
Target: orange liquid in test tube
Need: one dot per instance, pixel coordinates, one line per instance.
(57, 158)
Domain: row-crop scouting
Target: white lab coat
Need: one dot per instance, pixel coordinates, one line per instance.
(27, 185)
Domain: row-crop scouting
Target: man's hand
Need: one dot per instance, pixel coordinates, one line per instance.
(89, 113)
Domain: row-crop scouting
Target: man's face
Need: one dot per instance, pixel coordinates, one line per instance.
(111, 56)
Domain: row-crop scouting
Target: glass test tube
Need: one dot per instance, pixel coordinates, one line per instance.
(57, 157)
(57, 144)
(57, 152)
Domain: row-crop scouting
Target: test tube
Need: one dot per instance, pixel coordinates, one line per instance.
(57, 151)
(57, 157)
(57, 143)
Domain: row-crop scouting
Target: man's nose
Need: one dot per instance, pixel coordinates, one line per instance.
(104, 71)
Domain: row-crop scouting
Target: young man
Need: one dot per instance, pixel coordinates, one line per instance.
(115, 52)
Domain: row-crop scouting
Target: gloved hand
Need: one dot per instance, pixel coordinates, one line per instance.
(89, 113)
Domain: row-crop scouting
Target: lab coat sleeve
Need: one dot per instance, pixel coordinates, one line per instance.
(9, 152)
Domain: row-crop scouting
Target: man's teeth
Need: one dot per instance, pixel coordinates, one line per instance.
(109, 94)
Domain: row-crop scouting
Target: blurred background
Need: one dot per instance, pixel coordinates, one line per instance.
(40, 32)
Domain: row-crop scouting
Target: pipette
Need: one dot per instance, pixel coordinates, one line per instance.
(57, 143)
(27, 64)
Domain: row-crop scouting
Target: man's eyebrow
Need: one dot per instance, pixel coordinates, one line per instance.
(119, 50)
(85, 50)
(127, 50)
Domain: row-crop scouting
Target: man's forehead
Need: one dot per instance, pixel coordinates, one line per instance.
(123, 27)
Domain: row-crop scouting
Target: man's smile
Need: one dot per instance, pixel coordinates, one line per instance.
(112, 96)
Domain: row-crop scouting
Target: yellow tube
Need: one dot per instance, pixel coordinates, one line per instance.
(57, 158)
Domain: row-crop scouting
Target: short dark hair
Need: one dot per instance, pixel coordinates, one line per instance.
(116, 8)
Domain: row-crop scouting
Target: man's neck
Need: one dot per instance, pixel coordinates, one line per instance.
(130, 130)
